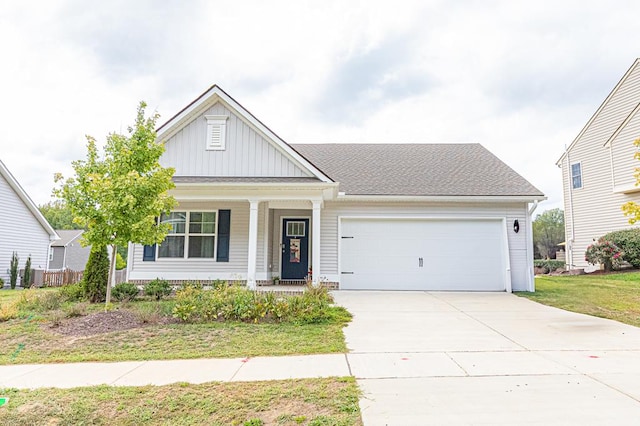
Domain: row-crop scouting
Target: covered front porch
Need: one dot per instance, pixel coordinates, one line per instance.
(258, 232)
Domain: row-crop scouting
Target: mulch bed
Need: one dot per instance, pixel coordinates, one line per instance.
(105, 322)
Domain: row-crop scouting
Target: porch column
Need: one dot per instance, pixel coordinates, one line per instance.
(315, 242)
(253, 244)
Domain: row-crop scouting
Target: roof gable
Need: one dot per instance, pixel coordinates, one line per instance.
(67, 236)
(418, 170)
(620, 112)
(215, 99)
(26, 200)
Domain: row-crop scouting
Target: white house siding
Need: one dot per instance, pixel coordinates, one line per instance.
(594, 209)
(511, 211)
(247, 153)
(209, 269)
(21, 232)
(622, 153)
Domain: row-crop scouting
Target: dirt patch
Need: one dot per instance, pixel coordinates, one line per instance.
(105, 322)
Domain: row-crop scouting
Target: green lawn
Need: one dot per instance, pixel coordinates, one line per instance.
(31, 338)
(615, 296)
(332, 401)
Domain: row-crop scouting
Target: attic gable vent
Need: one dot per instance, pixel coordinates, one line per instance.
(216, 132)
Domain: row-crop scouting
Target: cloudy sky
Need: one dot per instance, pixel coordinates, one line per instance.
(520, 77)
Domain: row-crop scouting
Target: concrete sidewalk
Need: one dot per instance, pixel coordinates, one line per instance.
(140, 373)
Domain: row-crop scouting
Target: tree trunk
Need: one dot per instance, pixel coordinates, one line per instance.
(112, 274)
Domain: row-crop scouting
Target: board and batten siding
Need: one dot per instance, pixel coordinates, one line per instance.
(209, 269)
(247, 153)
(595, 209)
(518, 254)
(21, 232)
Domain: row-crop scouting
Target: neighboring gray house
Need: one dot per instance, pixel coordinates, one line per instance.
(67, 252)
(23, 228)
(357, 216)
(598, 169)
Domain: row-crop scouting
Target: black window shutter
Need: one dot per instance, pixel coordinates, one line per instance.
(224, 230)
(149, 253)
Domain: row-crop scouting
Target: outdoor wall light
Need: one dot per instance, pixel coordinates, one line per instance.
(516, 226)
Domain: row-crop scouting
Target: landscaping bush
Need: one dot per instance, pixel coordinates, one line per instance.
(96, 275)
(628, 240)
(157, 288)
(125, 292)
(73, 292)
(40, 301)
(8, 311)
(604, 253)
(234, 303)
(549, 265)
(13, 270)
(26, 281)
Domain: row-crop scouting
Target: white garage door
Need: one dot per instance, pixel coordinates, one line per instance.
(423, 254)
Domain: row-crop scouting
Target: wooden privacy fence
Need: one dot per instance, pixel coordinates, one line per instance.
(67, 276)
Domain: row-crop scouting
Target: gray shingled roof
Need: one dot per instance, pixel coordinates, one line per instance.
(66, 236)
(416, 169)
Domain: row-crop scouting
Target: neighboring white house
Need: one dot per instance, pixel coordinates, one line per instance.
(67, 252)
(23, 228)
(598, 169)
(355, 216)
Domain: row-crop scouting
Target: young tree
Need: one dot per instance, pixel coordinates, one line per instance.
(632, 209)
(96, 274)
(13, 270)
(26, 281)
(548, 232)
(117, 197)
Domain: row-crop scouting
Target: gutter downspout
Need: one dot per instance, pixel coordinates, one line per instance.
(530, 275)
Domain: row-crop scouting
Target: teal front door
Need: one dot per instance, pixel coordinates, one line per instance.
(295, 249)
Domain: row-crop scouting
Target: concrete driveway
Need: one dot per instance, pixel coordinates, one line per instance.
(488, 358)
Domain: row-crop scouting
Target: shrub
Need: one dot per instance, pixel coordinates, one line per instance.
(1, 283)
(549, 265)
(8, 311)
(26, 281)
(604, 253)
(148, 313)
(73, 292)
(157, 288)
(125, 292)
(40, 301)
(233, 303)
(13, 270)
(96, 275)
(628, 240)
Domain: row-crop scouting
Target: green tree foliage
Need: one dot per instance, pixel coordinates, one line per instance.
(59, 215)
(117, 196)
(13, 270)
(96, 274)
(26, 282)
(120, 262)
(632, 209)
(628, 240)
(548, 232)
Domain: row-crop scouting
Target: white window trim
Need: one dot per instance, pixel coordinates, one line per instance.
(571, 175)
(304, 229)
(216, 125)
(186, 233)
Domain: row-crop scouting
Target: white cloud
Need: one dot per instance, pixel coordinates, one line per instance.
(521, 78)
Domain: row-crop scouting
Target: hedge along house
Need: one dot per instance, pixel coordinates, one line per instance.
(352, 216)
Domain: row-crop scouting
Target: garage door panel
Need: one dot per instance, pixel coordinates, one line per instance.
(456, 254)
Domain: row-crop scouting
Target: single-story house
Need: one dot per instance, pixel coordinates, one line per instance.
(598, 169)
(24, 229)
(351, 216)
(67, 252)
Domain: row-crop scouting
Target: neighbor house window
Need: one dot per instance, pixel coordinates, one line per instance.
(576, 176)
(192, 235)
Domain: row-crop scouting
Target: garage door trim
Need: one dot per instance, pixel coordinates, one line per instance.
(502, 219)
